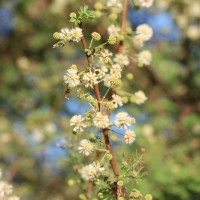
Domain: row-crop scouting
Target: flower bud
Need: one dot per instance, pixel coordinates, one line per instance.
(98, 14)
(70, 182)
(98, 6)
(148, 197)
(96, 36)
(56, 35)
(73, 15)
(109, 156)
(112, 40)
(129, 76)
(120, 183)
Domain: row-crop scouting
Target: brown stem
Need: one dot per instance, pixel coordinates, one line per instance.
(123, 25)
(105, 131)
(121, 42)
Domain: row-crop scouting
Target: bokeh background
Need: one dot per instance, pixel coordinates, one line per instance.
(34, 116)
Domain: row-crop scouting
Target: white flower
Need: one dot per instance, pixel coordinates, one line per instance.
(76, 34)
(114, 3)
(105, 56)
(121, 59)
(78, 122)
(86, 147)
(92, 171)
(13, 198)
(113, 30)
(71, 78)
(117, 100)
(146, 3)
(101, 71)
(144, 31)
(5, 189)
(139, 97)
(107, 80)
(90, 79)
(123, 120)
(144, 58)
(101, 121)
(64, 32)
(116, 70)
(129, 136)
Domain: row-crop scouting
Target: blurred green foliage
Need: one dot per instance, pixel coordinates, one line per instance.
(33, 114)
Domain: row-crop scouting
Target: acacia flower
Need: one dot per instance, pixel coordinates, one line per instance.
(92, 171)
(90, 79)
(116, 70)
(86, 147)
(129, 136)
(64, 33)
(105, 56)
(121, 59)
(117, 100)
(101, 121)
(123, 120)
(5, 189)
(139, 97)
(78, 122)
(76, 34)
(71, 78)
(101, 71)
(144, 31)
(144, 58)
(146, 3)
(113, 30)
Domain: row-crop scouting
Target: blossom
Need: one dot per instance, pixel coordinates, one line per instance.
(139, 97)
(78, 122)
(71, 78)
(114, 3)
(117, 100)
(116, 70)
(64, 32)
(76, 34)
(121, 59)
(144, 58)
(129, 136)
(113, 30)
(101, 121)
(144, 31)
(5, 189)
(146, 3)
(123, 120)
(101, 71)
(92, 171)
(105, 56)
(90, 79)
(86, 147)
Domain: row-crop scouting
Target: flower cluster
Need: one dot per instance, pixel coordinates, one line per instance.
(92, 171)
(100, 85)
(74, 34)
(6, 190)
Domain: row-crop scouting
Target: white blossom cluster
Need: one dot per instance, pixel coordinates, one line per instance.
(92, 171)
(74, 34)
(6, 190)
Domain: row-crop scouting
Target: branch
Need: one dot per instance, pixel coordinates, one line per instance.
(105, 131)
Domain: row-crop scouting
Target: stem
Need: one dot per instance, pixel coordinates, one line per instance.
(116, 189)
(123, 24)
(121, 42)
